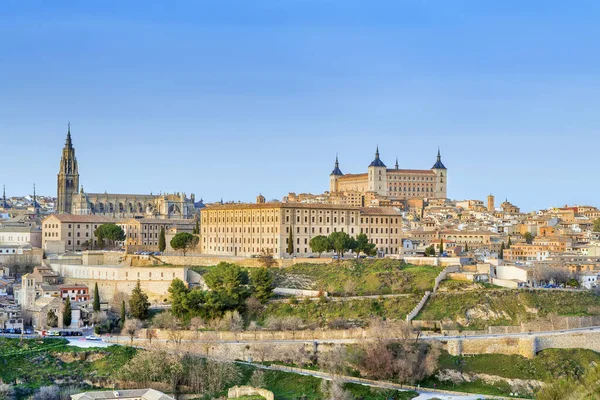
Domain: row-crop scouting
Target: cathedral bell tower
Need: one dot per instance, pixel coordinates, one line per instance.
(68, 177)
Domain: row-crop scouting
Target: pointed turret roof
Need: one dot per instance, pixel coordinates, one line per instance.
(336, 170)
(438, 164)
(377, 161)
(397, 163)
(68, 143)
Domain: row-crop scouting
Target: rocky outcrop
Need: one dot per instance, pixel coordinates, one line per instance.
(524, 387)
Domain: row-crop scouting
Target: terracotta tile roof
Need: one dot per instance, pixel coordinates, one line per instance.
(351, 176)
(84, 218)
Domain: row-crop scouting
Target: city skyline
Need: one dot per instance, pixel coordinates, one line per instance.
(229, 104)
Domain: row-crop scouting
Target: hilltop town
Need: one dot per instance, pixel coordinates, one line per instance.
(380, 259)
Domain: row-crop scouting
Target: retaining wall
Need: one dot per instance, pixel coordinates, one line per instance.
(239, 391)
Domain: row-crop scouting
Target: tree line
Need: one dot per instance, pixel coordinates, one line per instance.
(341, 242)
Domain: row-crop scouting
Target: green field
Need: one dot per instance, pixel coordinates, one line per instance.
(547, 366)
(41, 362)
(358, 310)
(478, 309)
(367, 277)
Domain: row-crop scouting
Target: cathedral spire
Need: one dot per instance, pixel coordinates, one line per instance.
(69, 144)
(396, 162)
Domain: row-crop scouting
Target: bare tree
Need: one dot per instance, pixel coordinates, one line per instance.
(117, 300)
(47, 393)
(151, 334)
(131, 327)
(208, 341)
(334, 361)
(265, 258)
(197, 322)
(254, 327)
(262, 351)
(291, 324)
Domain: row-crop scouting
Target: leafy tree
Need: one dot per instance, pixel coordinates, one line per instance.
(262, 284)
(138, 303)
(184, 241)
(430, 251)
(162, 241)
(111, 232)
(51, 319)
(67, 317)
(363, 245)
(596, 227)
(528, 237)
(290, 244)
(123, 314)
(501, 253)
(96, 298)
(177, 294)
(226, 281)
(320, 244)
(340, 242)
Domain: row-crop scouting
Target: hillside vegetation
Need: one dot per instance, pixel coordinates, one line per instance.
(547, 366)
(359, 277)
(358, 310)
(477, 310)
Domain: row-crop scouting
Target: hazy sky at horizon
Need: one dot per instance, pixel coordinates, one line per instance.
(228, 99)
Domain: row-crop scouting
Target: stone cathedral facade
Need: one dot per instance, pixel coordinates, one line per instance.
(71, 198)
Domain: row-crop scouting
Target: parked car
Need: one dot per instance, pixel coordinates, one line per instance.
(92, 338)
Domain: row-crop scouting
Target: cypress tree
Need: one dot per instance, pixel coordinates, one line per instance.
(197, 228)
(138, 303)
(441, 246)
(466, 246)
(509, 243)
(162, 241)
(67, 313)
(290, 246)
(123, 314)
(501, 254)
(96, 298)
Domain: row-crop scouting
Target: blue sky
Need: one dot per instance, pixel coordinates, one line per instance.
(228, 99)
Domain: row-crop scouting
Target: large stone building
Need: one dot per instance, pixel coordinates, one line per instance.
(392, 183)
(68, 232)
(246, 229)
(71, 198)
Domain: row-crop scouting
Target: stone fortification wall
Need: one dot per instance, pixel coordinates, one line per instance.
(582, 340)
(206, 261)
(155, 281)
(308, 335)
(239, 391)
(525, 347)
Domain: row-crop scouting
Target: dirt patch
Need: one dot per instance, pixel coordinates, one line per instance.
(82, 356)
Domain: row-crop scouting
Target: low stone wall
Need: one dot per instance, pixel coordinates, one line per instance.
(207, 261)
(539, 325)
(239, 391)
(581, 340)
(525, 347)
(297, 292)
(418, 307)
(308, 335)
